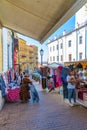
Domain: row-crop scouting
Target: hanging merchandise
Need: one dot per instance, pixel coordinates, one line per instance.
(2, 91)
(2, 86)
(64, 73)
(58, 76)
(13, 89)
(79, 66)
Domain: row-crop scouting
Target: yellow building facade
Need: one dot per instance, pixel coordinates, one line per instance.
(1, 50)
(21, 53)
(35, 57)
(27, 56)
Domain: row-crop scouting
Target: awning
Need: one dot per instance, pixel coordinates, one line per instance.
(55, 65)
(37, 19)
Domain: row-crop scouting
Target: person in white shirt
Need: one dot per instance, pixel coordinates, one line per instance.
(71, 87)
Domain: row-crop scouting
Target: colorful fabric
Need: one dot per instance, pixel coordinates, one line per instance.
(2, 86)
(34, 93)
(13, 95)
(58, 80)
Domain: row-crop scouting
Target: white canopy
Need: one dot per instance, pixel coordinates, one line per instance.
(54, 65)
(37, 19)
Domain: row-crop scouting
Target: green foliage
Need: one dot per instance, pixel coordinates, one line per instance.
(35, 77)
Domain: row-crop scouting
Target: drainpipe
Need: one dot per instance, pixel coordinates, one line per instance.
(58, 50)
(76, 45)
(2, 46)
(86, 42)
(8, 46)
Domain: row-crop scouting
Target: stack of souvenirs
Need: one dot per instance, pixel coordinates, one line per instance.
(8, 85)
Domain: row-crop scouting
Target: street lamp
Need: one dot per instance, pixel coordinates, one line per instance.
(41, 53)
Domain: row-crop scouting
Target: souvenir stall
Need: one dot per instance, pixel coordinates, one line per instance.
(9, 89)
(13, 88)
(55, 73)
(82, 87)
(76, 63)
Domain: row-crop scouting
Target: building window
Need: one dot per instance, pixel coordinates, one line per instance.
(80, 40)
(57, 58)
(53, 58)
(70, 57)
(61, 45)
(50, 49)
(61, 57)
(57, 46)
(69, 43)
(50, 58)
(53, 48)
(80, 56)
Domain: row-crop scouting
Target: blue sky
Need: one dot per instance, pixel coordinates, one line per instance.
(69, 25)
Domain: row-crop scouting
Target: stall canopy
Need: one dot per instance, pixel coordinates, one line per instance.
(54, 65)
(37, 19)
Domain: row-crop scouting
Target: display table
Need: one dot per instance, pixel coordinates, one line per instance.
(81, 93)
(13, 94)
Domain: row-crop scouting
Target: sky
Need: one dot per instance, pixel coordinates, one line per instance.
(69, 25)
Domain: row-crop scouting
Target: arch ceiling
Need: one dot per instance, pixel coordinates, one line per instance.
(37, 19)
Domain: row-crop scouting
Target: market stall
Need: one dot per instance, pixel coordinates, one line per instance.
(9, 88)
(76, 63)
(82, 88)
(53, 76)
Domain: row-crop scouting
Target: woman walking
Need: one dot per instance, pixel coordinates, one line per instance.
(24, 92)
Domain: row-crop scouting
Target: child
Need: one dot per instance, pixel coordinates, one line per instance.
(71, 87)
(34, 93)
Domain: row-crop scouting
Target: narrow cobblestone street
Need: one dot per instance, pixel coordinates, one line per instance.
(51, 113)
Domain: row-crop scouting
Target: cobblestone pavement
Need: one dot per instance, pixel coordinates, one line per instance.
(51, 113)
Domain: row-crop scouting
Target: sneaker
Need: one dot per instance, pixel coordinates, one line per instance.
(66, 101)
(75, 103)
(71, 104)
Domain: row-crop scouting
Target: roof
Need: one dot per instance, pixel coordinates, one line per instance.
(37, 19)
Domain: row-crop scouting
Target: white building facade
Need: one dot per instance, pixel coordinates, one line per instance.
(7, 49)
(70, 46)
